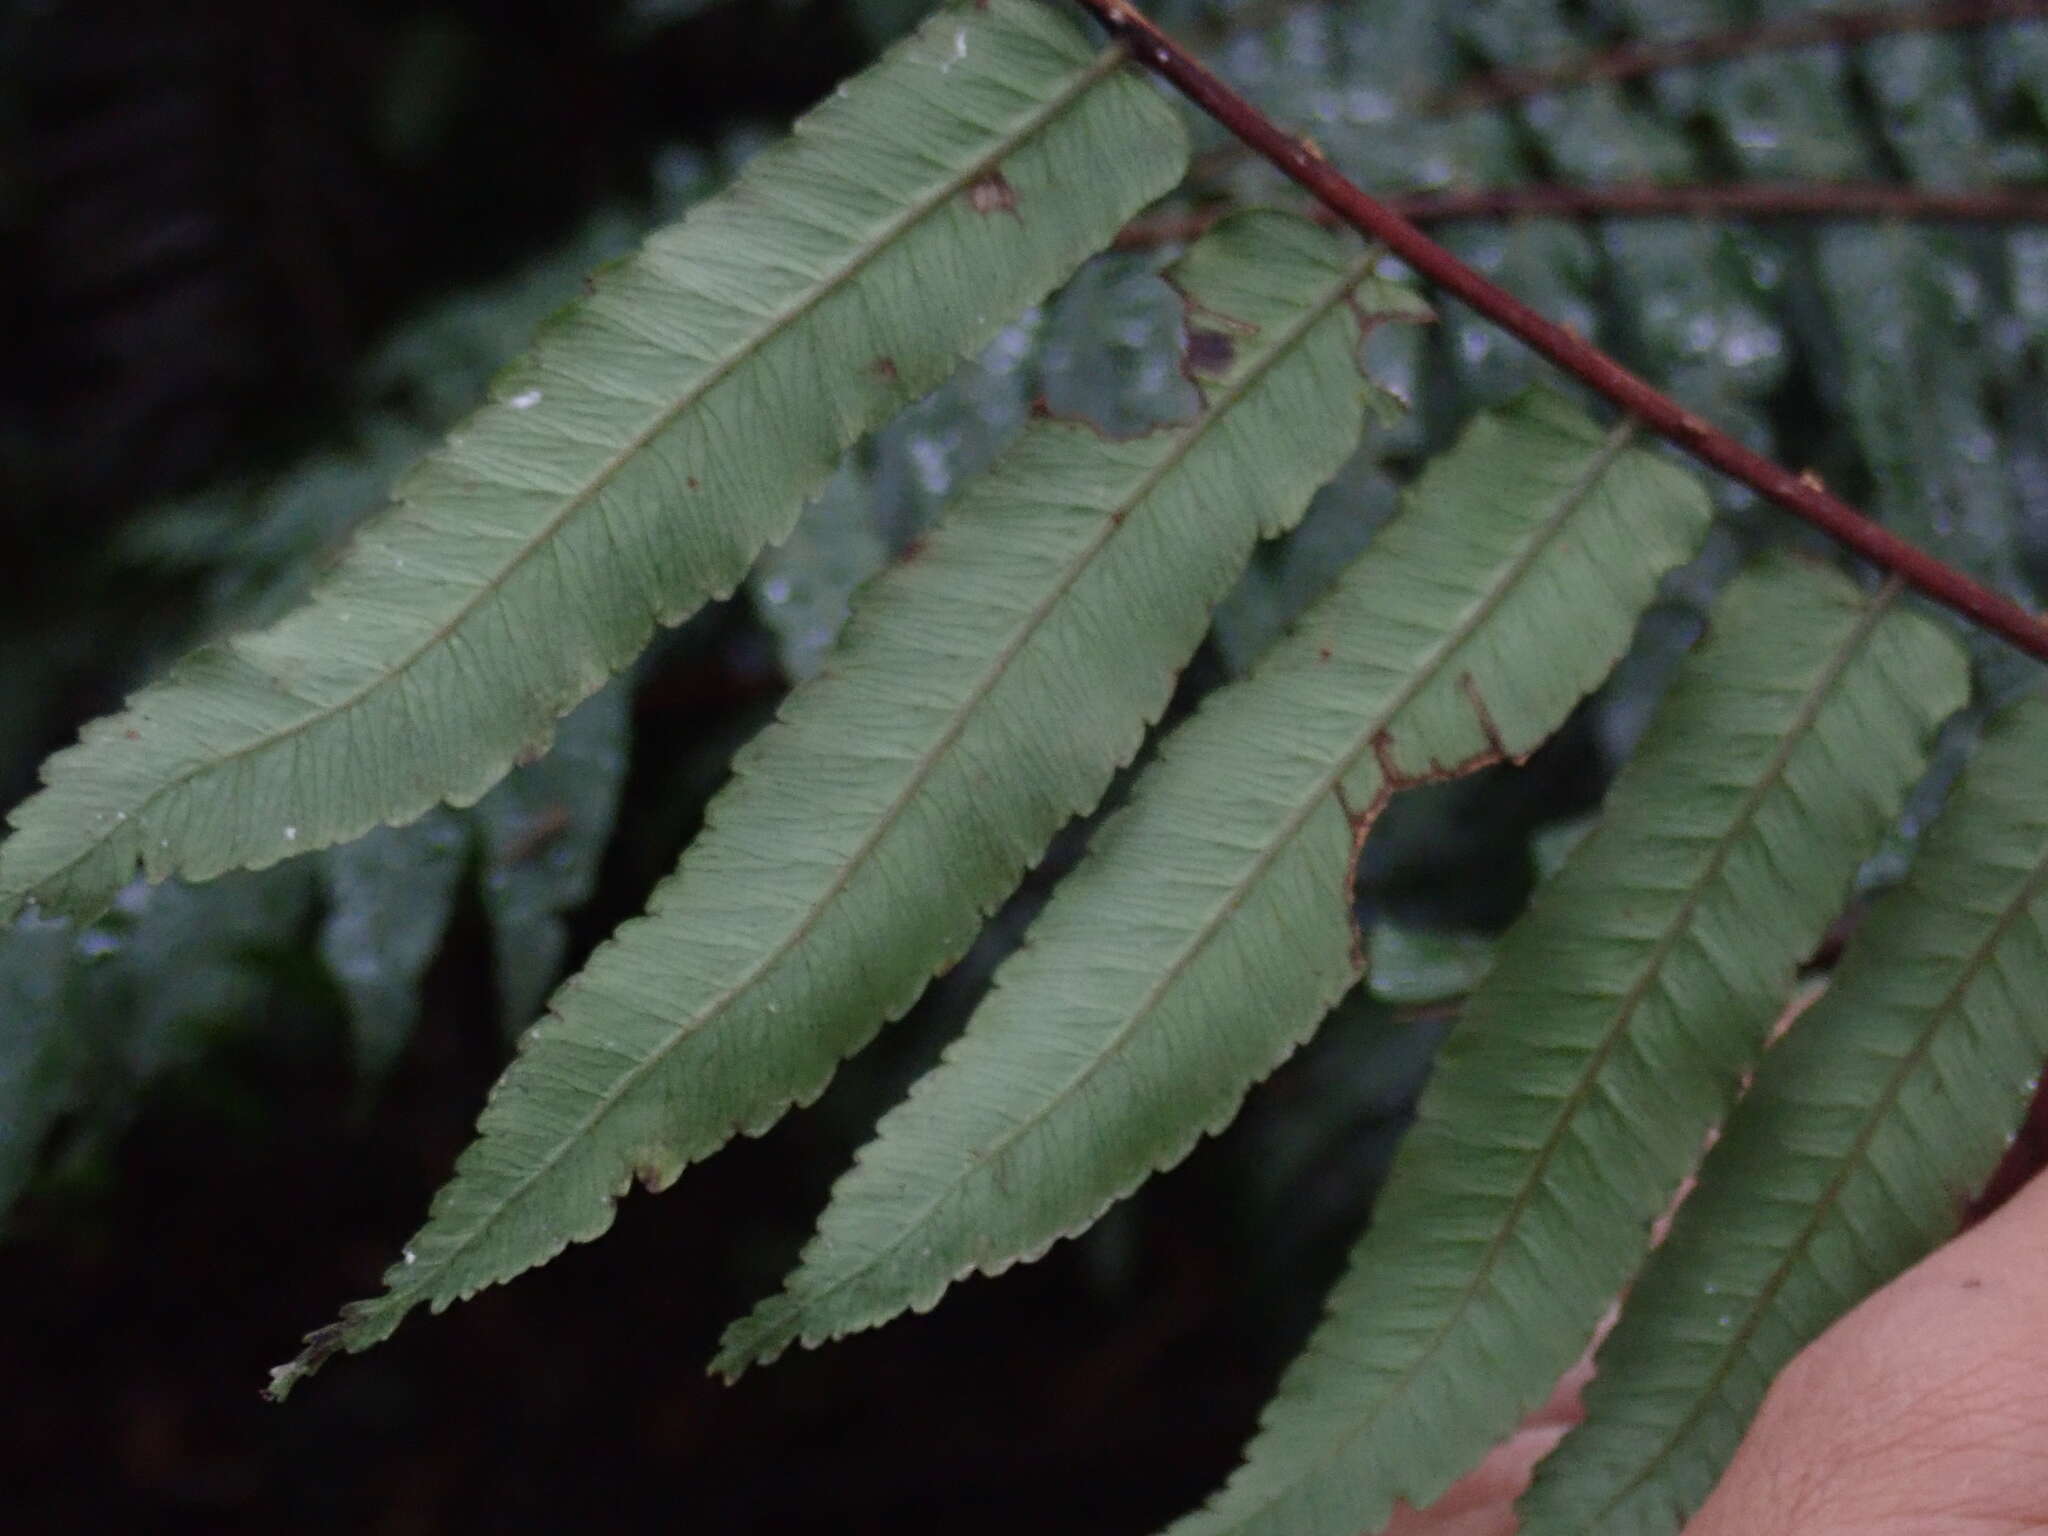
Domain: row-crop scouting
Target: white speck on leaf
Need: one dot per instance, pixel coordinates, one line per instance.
(959, 50)
(291, 834)
(525, 400)
(411, 1257)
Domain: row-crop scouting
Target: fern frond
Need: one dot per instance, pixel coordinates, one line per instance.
(1210, 929)
(982, 694)
(1610, 1036)
(1867, 1130)
(661, 432)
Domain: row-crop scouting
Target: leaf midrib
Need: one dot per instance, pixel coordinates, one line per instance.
(1453, 640)
(1048, 112)
(928, 761)
(1847, 1167)
(1803, 723)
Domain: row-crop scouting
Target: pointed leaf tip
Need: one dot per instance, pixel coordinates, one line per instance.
(1117, 1036)
(535, 553)
(1077, 574)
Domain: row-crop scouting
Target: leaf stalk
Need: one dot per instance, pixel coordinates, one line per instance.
(1803, 495)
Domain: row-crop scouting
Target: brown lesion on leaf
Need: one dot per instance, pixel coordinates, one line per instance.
(1217, 318)
(1495, 751)
(1394, 778)
(1210, 352)
(1211, 349)
(1370, 320)
(1041, 410)
(991, 193)
(1360, 821)
(885, 369)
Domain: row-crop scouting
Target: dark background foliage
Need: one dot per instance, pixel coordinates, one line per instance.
(257, 256)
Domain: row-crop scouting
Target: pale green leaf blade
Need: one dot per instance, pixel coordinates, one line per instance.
(1868, 1129)
(660, 433)
(982, 693)
(1576, 1090)
(1209, 930)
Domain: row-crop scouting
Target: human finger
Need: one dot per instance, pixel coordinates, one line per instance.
(1923, 1410)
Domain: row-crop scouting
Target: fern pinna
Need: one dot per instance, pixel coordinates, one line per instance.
(669, 427)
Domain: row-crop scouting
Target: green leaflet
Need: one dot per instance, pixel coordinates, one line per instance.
(983, 692)
(1610, 1036)
(1851, 1157)
(1209, 931)
(659, 434)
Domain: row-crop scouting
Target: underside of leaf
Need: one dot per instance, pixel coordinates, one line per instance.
(1867, 1130)
(982, 694)
(1611, 1035)
(658, 435)
(1210, 929)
